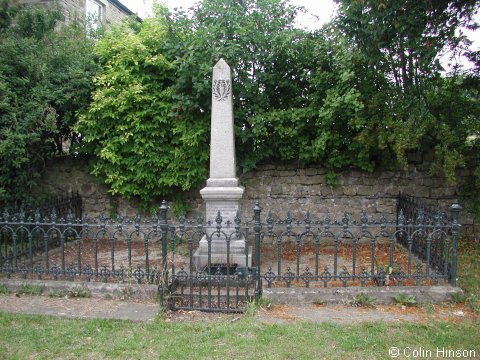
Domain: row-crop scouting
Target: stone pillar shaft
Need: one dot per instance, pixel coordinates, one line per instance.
(222, 143)
(222, 192)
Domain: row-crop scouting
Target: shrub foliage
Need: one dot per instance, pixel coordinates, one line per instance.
(45, 78)
(366, 90)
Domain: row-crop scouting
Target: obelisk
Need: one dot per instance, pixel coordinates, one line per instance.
(222, 193)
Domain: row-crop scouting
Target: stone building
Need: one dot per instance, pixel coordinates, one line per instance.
(98, 12)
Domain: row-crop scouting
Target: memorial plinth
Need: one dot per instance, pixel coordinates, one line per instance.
(222, 193)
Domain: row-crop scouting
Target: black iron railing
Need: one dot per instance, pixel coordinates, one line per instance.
(59, 206)
(419, 216)
(415, 209)
(365, 251)
(312, 251)
(15, 247)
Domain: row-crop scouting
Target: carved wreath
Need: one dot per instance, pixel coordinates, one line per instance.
(221, 89)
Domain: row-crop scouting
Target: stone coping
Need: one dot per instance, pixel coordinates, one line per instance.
(339, 295)
(138, 292)
(278, 296)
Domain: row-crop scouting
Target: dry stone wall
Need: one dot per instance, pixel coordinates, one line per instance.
(72, 175)
(285, 188)
(280, 189)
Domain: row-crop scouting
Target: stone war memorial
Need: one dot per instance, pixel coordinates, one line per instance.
(222, 194)
(298, 252)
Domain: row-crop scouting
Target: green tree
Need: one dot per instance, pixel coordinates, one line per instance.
(148, 125)
(364, 91)
(258, 41)
(45, 77)
(405, 39)
(410, 104)
(295, 92)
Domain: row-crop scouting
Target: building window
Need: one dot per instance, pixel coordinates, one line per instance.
(95, 11)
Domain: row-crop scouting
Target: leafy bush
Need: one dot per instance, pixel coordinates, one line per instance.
(318, 302)
(75, 292)
(45, 78)
(458, 297)
(141, 147)
(79, 292)
(4, 290)
(474, 303)
(28, 289)
(405, 299)
(362, 299)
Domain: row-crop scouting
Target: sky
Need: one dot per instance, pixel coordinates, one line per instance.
(320, 11)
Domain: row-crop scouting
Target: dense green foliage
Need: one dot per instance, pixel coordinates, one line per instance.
(181, 87)
(293, 90)
(45, 78)
(364, 91)
(142, 148)
(401, 43)
(411, 104)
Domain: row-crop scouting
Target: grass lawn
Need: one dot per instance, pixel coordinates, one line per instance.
(469, 272)
(41, 337)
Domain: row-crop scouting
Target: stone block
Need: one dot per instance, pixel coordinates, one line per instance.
(403, 181)
(263, 167)
(351, 180)
(268, 173)
(369, 179)
(287, 166)
(310, 180)
(442, 192)
(385, 174)
(249, 175)
(421, 191)
(311, 171)
(428, 182)
(364, 190)
(341, 180)
(350, 190)
(336, 191)
(387, 189)
(276, 189)
(286, 173)
(300, 191)
(315, 190)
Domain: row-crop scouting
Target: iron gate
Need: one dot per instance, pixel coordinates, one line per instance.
(213, 286)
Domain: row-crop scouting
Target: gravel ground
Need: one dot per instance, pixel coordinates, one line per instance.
(94, 308)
